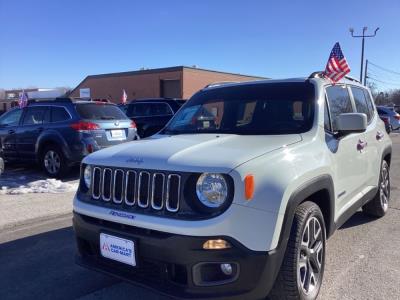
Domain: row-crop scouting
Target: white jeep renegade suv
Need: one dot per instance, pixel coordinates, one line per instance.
(236, 196)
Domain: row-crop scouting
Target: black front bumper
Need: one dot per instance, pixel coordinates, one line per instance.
(165, 261)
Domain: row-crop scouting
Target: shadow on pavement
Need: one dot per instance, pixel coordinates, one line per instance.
(359, 218)
(42, 267)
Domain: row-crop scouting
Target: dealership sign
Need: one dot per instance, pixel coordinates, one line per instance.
(84, 93)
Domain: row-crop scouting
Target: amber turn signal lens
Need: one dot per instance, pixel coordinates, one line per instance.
(249, 187)
(216, 245)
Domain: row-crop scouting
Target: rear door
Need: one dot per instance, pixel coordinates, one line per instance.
(8, 125)
(364, 105)
(349, 161)
(111, 127)
(34, 121)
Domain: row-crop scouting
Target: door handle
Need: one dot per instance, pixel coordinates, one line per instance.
(380, 135)
(361, 145)
(11, 131)
(40, 129)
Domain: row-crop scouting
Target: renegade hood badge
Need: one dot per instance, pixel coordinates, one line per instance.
(135, 160)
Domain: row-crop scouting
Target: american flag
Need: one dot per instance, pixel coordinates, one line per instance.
(23, 99)
(124, 97)
(337, 66)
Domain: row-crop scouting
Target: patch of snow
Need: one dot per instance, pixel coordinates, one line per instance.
(51, 185)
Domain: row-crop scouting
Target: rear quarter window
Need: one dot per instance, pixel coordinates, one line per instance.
(99, 111)
(59, 114)
(160, 109)
(361, 102)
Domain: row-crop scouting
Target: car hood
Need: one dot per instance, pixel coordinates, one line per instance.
(191, 152)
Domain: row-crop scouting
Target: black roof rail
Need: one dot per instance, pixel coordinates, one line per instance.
(218, 83)
(320, 74)
(50, 100)
(352, 79)
(317, 74)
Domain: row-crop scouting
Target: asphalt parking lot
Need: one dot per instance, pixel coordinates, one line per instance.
(37, 257)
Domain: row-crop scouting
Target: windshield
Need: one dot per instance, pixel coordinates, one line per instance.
(270, 108)
(100, 111)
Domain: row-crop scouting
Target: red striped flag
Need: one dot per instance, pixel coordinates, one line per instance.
(124, 97)
(337, 66)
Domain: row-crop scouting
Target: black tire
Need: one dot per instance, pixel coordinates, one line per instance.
(58, 156)
(291, 281)
(1, 165)
(379, 205)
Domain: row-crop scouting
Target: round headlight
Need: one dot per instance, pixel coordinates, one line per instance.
(212, 190)
(87, 176)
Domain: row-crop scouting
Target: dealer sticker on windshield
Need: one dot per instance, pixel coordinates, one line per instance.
(118, 249)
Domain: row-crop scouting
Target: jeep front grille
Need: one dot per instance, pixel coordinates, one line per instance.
(137, 188)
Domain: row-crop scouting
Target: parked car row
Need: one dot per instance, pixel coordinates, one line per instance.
(390, 117)
(151, 115)
(59, 133)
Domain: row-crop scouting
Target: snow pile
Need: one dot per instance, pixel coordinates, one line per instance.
(41, 186)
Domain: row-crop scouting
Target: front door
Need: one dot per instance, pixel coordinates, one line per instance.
(8, 125)
(348, 153)
(33, 123)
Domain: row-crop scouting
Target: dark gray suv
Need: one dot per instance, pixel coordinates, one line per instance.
(59, 133)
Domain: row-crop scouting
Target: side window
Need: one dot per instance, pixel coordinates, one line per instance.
(361, 102)
(381, 111)
(59, 114)
(11, 118)
(138, 110)
(34, 116)
(327, 119)
(339, 102)
(160, 109)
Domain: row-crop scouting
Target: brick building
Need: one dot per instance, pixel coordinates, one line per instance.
(9, 98)
(174, 82)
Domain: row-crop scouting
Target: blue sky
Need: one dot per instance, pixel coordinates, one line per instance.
(48, 43)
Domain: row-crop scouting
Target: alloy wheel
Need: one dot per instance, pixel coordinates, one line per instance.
(384, 188)
(311, 256)
(52, 162)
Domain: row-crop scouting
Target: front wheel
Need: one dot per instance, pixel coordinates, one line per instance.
(1, 165)
(302, 270)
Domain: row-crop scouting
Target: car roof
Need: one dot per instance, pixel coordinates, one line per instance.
(151, 100)
(93, 102)
(320, 80)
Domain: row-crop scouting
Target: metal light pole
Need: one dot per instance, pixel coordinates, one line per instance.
(363, 36)
(366, 72)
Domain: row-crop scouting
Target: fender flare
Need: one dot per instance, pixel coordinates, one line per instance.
(322, 182)
(52, 137)
(387, 150)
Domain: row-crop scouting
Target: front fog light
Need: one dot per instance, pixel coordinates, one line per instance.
(226, 269)
(212, 190)
(87, 176)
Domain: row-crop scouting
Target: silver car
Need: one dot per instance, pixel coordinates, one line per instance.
(394, 117)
